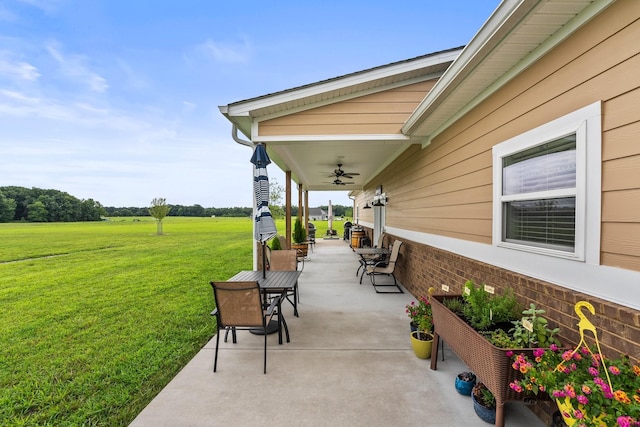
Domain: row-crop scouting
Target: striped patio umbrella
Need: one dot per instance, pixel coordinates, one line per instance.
(265, 227)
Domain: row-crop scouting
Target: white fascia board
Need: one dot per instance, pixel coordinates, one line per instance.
(393, 138)
(582, 277)
(340, 83)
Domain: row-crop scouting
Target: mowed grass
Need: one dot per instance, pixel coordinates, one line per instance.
(96, 318)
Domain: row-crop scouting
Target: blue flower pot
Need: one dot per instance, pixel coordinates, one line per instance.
(464, 387)
(486, 414)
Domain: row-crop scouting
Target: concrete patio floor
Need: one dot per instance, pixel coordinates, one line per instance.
(349, 363)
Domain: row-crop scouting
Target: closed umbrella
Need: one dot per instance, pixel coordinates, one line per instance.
(330, 218)
(265, 227)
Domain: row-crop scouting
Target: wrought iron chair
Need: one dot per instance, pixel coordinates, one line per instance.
(387, 268)
(287, 260)
(240, 305)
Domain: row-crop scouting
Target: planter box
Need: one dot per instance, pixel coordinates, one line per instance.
(491, 364)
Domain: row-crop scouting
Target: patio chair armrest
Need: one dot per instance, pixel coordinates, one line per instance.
(274, 303)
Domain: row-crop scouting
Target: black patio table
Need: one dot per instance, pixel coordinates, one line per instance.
(270, 282)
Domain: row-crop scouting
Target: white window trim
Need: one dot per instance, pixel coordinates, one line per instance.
(586, 124)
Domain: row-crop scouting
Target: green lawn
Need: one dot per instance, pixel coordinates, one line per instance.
(97, 318)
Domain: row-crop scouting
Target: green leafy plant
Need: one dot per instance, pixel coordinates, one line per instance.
(588, 388)
(416, 311)
(532, 330)
(483, 310)
(500, 338)
(275, 244)
(484, 396)
(454, 304)
(299, 233)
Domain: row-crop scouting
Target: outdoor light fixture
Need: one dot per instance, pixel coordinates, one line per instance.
(367, 206)
(380, 199)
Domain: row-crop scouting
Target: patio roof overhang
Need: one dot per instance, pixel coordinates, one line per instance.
(311, 158)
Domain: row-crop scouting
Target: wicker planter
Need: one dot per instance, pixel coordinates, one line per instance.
(490, 364)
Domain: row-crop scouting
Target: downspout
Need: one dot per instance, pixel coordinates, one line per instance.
(236, 138)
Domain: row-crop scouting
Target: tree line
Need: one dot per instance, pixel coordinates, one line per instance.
(38, 205)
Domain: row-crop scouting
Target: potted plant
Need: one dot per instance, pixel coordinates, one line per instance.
(484, 403)
(275, 244)
(465, 382)
(417, 310)
(299, 239)
(422, 338)
(589, 389)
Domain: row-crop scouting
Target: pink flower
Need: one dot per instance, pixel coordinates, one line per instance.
(553, 347)
(509, 353)
(593, 371)
(566, 355)
(624, 421)
(538, 352)
(614, 370)
(583, 399)
(586, 389)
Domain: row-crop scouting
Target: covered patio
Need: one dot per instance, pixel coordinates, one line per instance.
(349, 363)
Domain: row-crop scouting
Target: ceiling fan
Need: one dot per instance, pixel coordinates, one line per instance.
(338, 181)
(339, 173)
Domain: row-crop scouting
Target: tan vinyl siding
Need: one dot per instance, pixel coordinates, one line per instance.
(446, 188)
(379, 113)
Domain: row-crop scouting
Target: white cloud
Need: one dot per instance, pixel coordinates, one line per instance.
(74, 66)
(16, 69)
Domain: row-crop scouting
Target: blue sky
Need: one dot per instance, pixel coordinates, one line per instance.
(117, 100)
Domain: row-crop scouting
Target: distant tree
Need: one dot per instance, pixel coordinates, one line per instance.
(159, 209)
(7, 208)
(37, 212)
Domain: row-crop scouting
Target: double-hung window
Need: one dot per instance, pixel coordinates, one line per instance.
(540, 186)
